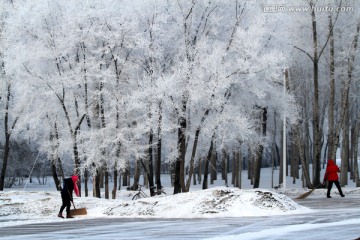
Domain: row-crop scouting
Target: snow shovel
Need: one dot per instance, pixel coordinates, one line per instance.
(77, 211)
(304, 195)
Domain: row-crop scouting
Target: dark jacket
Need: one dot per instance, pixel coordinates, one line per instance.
(332, 170)
(68, 189)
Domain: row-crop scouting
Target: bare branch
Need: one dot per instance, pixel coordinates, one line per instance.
(332, 27)
(301, 50)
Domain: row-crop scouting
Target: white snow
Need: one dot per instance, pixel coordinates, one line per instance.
(35, 203)
(213, 202)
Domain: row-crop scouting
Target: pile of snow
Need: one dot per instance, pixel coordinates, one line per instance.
(219, 202)
(20, 206)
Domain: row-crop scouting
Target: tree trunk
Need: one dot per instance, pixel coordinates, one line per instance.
(193, 153)
(75, 150)
(196, 169)
(281, 170)
(213, 167)
(151, 168)
(126, 174)
(119, 185)
(356, 147)
(113, 192)
(331, 142)
(55, 176)
(74, 133)
(238, 168)
(224, 167)
(300, 141)
(352, 157)
(102, 178)
(172, 173)
(206, 167)
(106, 184)
(96, 184)
(260, 149)
(305, 147)
(294, 161)
(345, 150)
(234, 168)
(86, 177)
(179, 168)
(200, 171)
(54, 157)
(273, 151)
(251, 166)
(158, 159)
(136, 175)
(316, 117)
(7, 138)
(5, 161)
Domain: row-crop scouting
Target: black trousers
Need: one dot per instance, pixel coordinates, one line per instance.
(337, 184)
(66, 202)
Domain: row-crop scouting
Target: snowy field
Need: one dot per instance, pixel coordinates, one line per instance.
(253, 213)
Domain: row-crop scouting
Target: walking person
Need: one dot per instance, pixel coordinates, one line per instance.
(70, 185)
(331, 175)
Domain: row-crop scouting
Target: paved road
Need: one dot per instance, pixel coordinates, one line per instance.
(336, 218)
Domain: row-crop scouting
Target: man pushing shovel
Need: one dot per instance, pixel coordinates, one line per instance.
(70, 185)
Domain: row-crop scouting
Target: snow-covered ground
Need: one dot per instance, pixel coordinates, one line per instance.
(213, 202)
(39, 204)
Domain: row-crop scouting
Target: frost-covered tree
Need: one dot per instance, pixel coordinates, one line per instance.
(109, 82)
(330, 59)
(222, 69)
(9, 107)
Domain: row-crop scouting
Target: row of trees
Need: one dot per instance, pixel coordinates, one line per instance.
(332, 50)
(120, 86)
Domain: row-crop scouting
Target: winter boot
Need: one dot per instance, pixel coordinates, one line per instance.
(68, 215)
(60, 215)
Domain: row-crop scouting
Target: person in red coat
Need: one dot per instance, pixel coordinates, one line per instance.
(331, 175)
